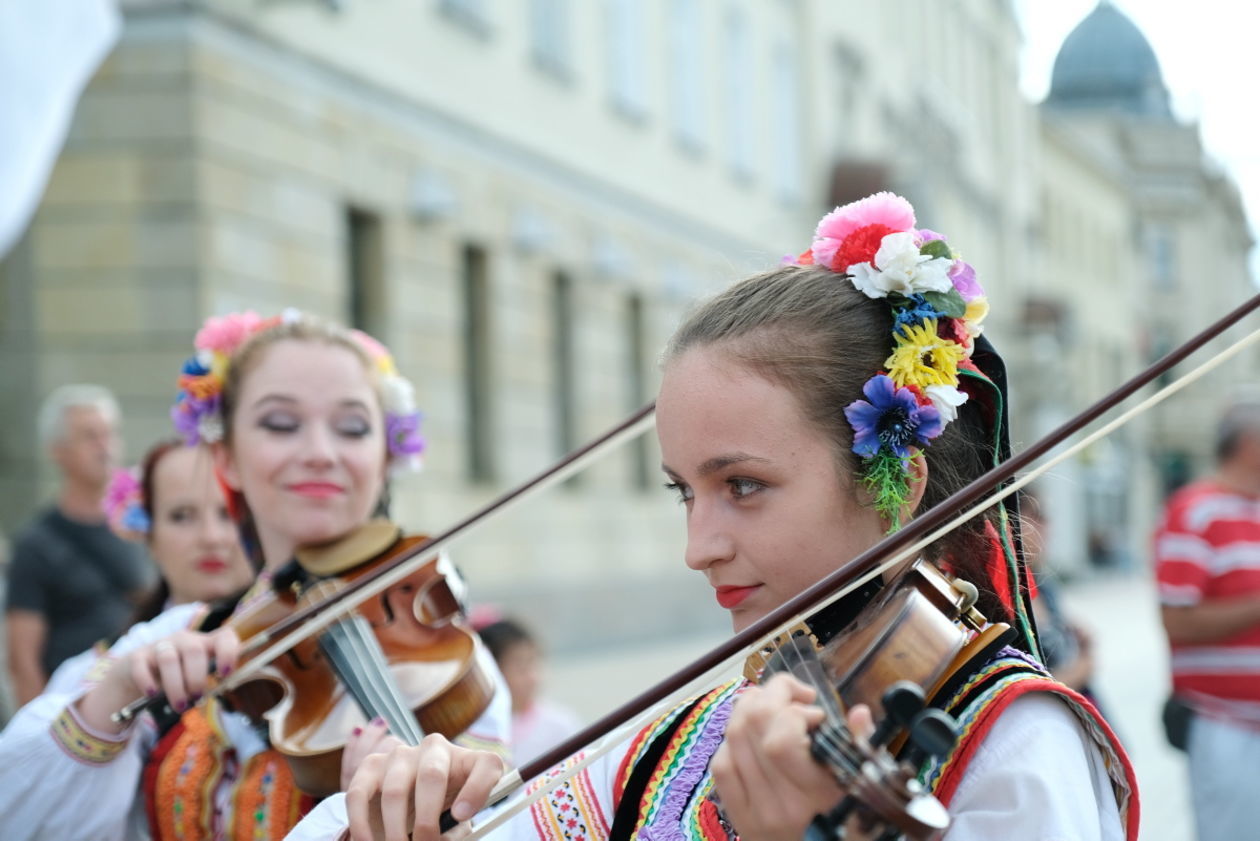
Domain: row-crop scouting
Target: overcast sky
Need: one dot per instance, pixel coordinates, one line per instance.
(1209, 55)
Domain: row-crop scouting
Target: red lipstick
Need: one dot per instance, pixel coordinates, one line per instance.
(729, 597)
(316, 490)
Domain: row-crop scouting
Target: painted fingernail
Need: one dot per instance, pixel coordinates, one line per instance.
(227, 670)
(151, 692)
(462, 811)
(180, 706)
(356, 731)
(378, 721)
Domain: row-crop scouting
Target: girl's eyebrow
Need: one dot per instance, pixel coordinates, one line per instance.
(717, 463)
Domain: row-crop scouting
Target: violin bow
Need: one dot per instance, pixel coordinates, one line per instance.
(890, 551)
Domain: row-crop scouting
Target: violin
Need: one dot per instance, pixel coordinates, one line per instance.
(901, 650)
(406, 655)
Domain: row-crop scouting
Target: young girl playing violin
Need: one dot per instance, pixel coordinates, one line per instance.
(803, 414)
(305, 419)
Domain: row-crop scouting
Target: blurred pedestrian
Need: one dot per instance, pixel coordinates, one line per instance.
(537, 723)
(72, 581)
(1207, 551)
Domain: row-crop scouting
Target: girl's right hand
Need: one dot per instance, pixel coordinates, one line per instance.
(177, 666)
(401, 794)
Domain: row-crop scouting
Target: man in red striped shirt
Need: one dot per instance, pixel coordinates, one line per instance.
(1208, 566)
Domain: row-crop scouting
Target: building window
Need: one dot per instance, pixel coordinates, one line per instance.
(473, 15)
(686, 61)
(626, 57)
(740, 92)
(1163, 251)
(786, 125)
(478, 373)
(549, 34)
(563, 367)
(365, 271)
(637, 390)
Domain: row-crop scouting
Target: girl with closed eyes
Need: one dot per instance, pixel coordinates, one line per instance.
(305, 420)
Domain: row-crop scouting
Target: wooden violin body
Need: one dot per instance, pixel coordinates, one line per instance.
(904, 646)
(422, 661)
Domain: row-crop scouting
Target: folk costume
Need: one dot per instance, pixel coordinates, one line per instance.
(207, 774)
(1034, 759)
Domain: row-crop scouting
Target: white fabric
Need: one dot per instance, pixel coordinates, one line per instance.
(540, 728)
(1224, 766)
(1036, 777)
(48, 795)
(48, 51)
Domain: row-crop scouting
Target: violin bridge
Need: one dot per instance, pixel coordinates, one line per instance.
(756, 662)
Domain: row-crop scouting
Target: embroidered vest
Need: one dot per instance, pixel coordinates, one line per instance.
(196, 788)
(662, 787)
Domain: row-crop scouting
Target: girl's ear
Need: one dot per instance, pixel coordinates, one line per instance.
(917, 474)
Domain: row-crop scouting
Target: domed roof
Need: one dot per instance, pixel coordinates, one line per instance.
(1107, 63)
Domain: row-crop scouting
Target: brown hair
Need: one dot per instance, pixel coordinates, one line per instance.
(809, 330)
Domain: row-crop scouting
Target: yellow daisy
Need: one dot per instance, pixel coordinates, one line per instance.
(923, 358)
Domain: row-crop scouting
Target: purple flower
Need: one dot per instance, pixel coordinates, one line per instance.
(187, 413)
(893, 418)
(964, 280)
(926, 236)
(402, 434)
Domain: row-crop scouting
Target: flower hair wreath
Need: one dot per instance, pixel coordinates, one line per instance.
(124, 504)
(197, 412)
(937, 306)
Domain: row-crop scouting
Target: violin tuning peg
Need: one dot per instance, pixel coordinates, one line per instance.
(902, 701)
(932, 735)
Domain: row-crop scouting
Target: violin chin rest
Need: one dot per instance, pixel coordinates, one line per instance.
(369, 540)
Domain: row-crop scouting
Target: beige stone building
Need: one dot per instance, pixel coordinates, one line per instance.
(1141, 243)
(520, 197)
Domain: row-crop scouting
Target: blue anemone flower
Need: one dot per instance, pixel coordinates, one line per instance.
(890, 417)
(915, 312)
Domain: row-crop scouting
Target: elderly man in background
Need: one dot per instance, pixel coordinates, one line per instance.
(71, 580)
(1208, 566)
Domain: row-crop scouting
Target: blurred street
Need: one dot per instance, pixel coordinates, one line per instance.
(1132, 679)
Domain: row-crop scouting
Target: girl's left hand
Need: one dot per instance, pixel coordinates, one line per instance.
(769, 784)
(373, 737)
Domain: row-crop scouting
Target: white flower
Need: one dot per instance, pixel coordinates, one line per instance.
(900, 268)
(946, 399)
(398, 395)
(205, 358)
(865, 278)
(290, 315)
(210, 428)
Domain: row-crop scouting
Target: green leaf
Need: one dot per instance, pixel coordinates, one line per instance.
(949, 304)
(937, 248)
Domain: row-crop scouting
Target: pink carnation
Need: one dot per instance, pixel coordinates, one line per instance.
(375, 350)
(225, 334)
(880, 209)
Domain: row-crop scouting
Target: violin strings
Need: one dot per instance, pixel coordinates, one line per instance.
(809, 670)
(395, 708)
(349, 644)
